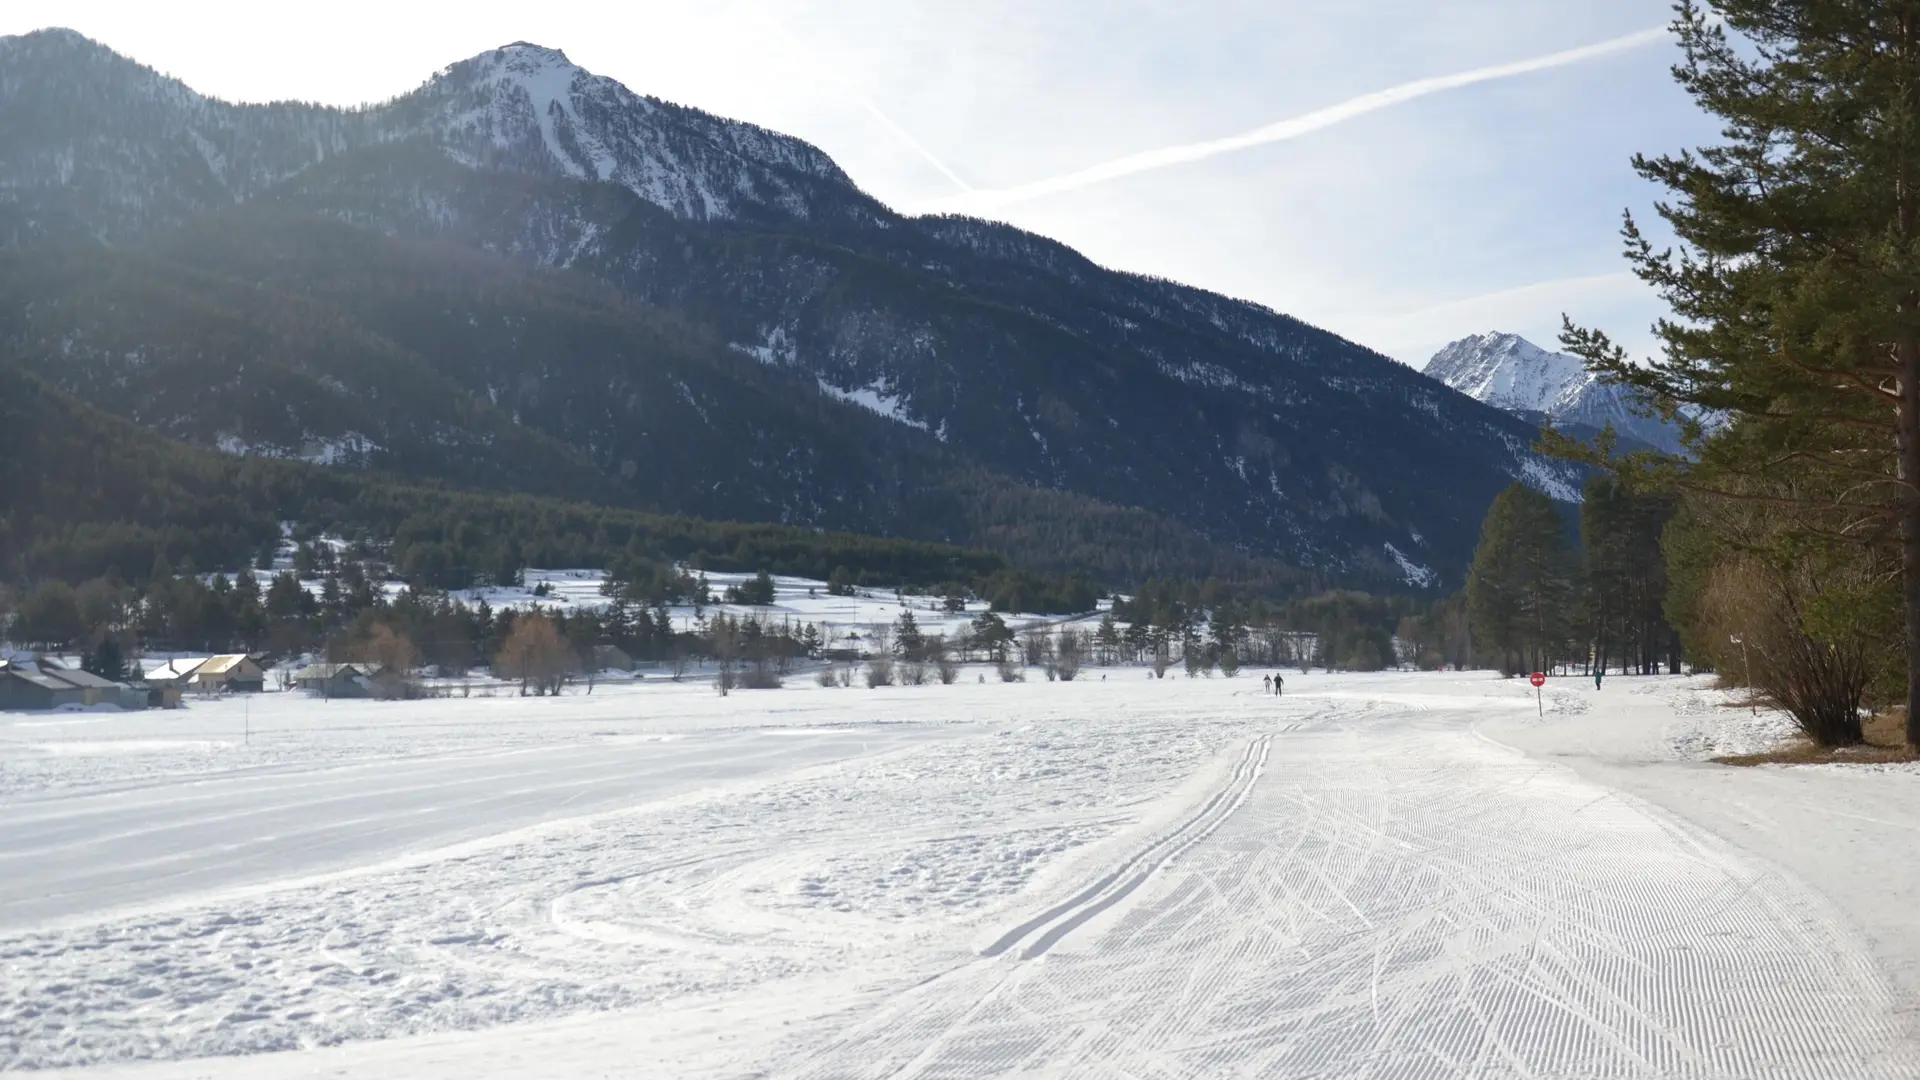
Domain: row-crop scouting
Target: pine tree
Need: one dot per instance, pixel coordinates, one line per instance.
(617, 624)
(106, 660)
(1794, 286)
(907, 639)
(1106, 639)
(990, 632)
(1520, 590)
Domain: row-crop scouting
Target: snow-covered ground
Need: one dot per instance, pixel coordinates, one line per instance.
(1391, 875)
(803, 600)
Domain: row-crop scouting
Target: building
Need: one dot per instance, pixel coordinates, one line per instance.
(177, 673)
(611, 658)
(95, 690)
(232, 672)
(339, 680)
(23, 686)
(46, 684)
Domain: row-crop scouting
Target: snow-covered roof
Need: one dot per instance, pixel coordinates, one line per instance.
(177, 668)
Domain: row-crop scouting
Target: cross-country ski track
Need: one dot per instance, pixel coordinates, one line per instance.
(1150, 879)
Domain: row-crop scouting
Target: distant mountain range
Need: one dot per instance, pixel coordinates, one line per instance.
(524, 276)
(1511, 373)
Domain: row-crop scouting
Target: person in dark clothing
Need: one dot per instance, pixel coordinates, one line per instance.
(1278, 684)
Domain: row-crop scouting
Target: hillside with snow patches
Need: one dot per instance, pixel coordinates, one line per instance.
(525, 275)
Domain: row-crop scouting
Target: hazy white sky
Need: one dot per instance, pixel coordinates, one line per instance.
(1404, 172)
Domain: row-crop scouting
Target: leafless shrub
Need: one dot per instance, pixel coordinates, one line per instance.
(1761, 615)
(763, 674)
(1070, 654)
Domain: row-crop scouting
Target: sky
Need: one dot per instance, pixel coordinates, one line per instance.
(1402, 172)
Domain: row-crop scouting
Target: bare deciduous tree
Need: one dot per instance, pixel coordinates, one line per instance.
(1070, 653)
(536, 655)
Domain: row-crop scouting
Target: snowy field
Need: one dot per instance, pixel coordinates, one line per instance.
(803, 600)
(1394, 875)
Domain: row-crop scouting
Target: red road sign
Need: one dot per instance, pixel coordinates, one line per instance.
(1538, 678)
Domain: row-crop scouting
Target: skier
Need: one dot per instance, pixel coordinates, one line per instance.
(1596, 677)
(1278, 684)
(1267, 682)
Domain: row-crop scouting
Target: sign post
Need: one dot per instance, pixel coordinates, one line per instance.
(1539, 679)
(1747, 661)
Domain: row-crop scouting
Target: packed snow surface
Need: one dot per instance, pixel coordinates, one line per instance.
(1394, 875)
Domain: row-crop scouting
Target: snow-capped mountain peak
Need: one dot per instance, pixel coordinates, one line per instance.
(1509, 372)
(527, 107)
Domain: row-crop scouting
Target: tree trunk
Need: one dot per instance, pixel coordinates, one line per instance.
(1909, 352)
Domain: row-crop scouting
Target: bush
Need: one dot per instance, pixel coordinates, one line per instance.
(1364, 656)
(1011, 671)
(913, 673)
(1762, 616)
(756, 679)
(761, 675)
(1069, 655)
(947, 669)
(827, 677)
(879, 672)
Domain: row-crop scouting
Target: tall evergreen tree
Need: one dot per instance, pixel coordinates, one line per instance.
(1520, 589)
(1796, 284)
(1625, 576)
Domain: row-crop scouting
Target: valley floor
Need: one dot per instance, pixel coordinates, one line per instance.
(1400, 875)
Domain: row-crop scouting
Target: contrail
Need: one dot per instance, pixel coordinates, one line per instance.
(908, 140)
(1148, 160)
(809, 58)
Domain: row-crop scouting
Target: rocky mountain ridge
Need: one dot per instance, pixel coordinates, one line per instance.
(1509, 372)
(989, 351)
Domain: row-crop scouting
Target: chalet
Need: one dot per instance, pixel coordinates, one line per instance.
(233, 672)
(340, 680)
(177, 673)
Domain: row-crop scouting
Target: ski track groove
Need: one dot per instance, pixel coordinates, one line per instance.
(1372, 890)
(1421, 905)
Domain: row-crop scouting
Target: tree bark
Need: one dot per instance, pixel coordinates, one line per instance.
(1909, 352)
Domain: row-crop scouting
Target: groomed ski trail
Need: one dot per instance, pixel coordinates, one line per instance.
(1400, 898)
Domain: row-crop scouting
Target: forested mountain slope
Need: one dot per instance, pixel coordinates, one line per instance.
(698, 315)
(88, 494)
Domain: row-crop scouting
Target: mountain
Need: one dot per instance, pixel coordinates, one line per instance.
(1511, 373)
(525, 276)
(89, 494)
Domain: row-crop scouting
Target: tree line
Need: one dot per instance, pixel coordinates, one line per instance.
(1785, 543)
(1544, 592)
